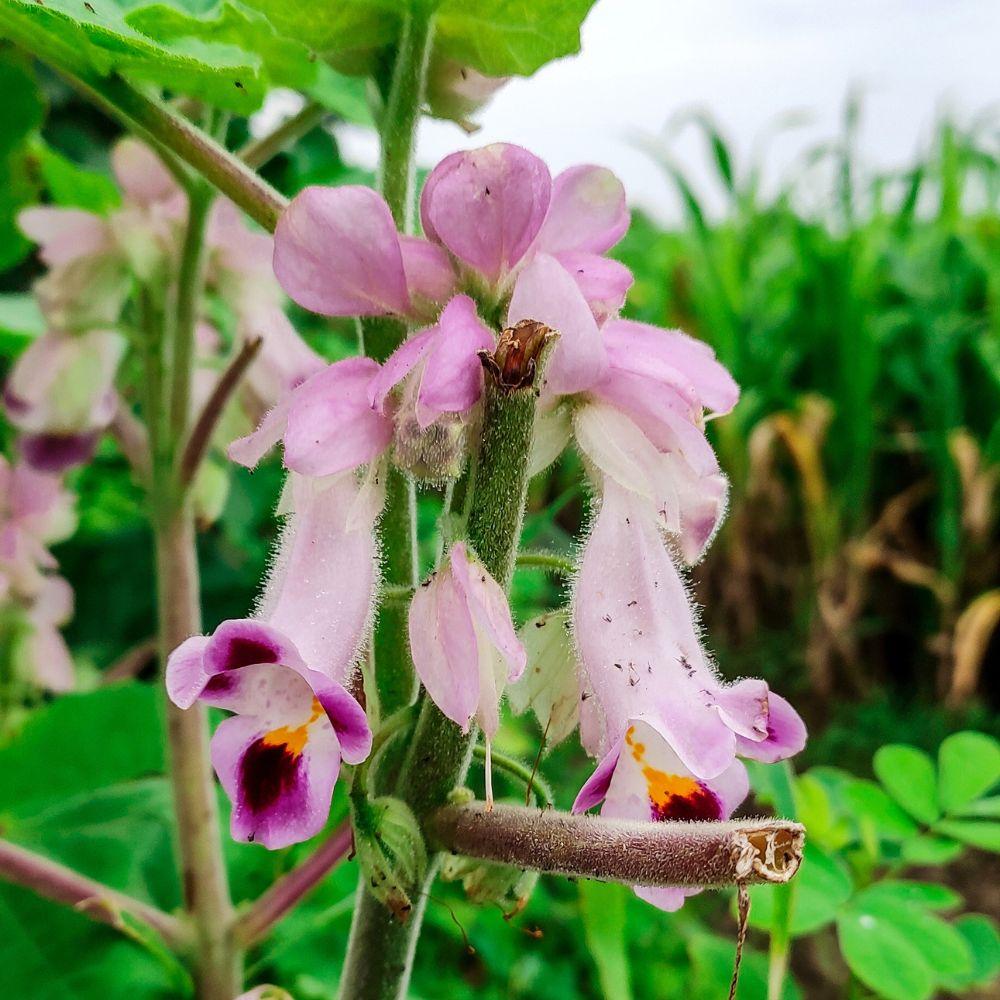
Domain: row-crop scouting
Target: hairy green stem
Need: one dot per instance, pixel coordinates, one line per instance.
(380, 952)
(402, 115)
(559, 565)
(528, 776)
(189, 288)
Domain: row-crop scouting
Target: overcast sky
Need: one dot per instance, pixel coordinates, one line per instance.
(747, 62)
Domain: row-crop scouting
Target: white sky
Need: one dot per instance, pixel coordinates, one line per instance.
(747, 62)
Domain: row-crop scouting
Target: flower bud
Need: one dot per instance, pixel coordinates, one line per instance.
(488, 882)
(390, 850)
(455, 92)
(431, 453)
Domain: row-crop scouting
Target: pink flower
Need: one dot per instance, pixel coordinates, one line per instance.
(641, 778)
(486, 214)
(463, 641)
(40, 653)
(283, 674)
(446, 359)
(641, 655)
(337, 252)
(61, 395)
(326, 423)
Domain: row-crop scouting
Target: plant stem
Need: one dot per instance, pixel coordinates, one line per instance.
(402, 115)
(778, 948)
(283, 895)
(559, 565)
(205, 885)
(200, 438)
(99, 902)
(190, 285)
(529, 777)
(217, 959)
(380, 951)
(710, 854)
(257, 152)
(397, 683)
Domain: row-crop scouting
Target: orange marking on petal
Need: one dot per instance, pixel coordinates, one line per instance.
(293, 738)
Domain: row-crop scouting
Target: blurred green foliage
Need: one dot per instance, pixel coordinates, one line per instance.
(867, 336)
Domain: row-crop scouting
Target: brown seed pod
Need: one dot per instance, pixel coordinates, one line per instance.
(515, 361)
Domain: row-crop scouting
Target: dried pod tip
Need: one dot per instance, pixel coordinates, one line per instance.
(515, 361)
(772, 854)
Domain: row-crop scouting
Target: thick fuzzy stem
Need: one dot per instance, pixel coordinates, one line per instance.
(99, 902)
(653, 854)
(380, 951)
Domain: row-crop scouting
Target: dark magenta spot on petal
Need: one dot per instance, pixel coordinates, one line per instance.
(700, 803)
(242, 652)
(220, 684)
(57, 452)
(267, 772)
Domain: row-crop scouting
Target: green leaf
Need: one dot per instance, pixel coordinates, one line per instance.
(505, 37)
(24, 111)
(343, 26)
(978, 833)
(70, 186)
(988, 808)
(909, 777)
(968, 766)
(980, 932)
(98, 37)
(867, 802)
(111, 735)
(928, 850)
(286, 61)
(821, 888)
(20, 317)
(712, 959)
(883, 958)
(929, 895)
(602, 909)
(941, 948)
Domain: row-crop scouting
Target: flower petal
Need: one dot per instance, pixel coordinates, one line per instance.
(185, 674)
(603, 283)
(323, 579)
(280, 790)
(398, 365)
(546, 292)
(487, 206)
(141, 174)
(488, 605)
(331, 426)
(452, 380)
(444, 648)
(64, 234)
(251, 448)
(429, 274)
(786, 734)
(674, 358)
(588, 212)
(595, 788)
(336, 252)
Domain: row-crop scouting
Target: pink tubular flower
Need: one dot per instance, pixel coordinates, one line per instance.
(283, 673)
(641, 655)
(326, 423)
(446, 356)
(41, 654)
(641, 778)
(61, 396)
(463, 641)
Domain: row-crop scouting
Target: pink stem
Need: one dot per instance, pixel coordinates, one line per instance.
(285, 894)
(93, 899)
